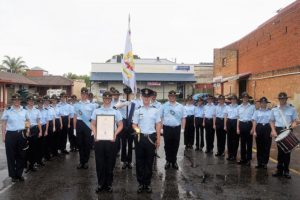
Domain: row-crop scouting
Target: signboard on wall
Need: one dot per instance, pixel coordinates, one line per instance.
(182, 68)
(153, 83)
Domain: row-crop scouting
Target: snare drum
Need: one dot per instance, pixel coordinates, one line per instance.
(287, 141)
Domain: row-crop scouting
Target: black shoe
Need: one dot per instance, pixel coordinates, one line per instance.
(265, 166)
(259, 166)
(148, 188)
(218, 154)
(228, 158)
(175, 166)
(65, 151)
(21, 179)
(140, 189)
(100, 188)
(208, 151)
(124, 166)
(14, 180)
(277, 174)
(186, 147)
(191, 147)
(197, 149)
(129, 165)
(80, 166)
(109, 189)
(85, 166)
(241, 162)
(167, 165)
(287, 175)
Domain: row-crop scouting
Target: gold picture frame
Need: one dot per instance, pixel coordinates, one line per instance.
(105, 127)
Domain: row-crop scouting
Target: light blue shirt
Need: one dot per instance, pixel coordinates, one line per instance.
(114, 102)
(123, 110)
(83, 111)
(189, 109)
(262, 116)
(56, 109)
(64, 109)
(199, 111)
(72, 111)
(209, 111)
(107, 111)
(231, 111)
(146, 119)
(34, 115)
(220, 111)
(51, 113)
(138, 103)
(156, 104)
(15, 118)
(45, 115)
(288, 112)
(172, 114)
(245, 112)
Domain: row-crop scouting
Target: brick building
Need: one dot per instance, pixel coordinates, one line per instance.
(264, 62)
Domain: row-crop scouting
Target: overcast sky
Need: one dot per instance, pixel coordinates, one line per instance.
(68, 35)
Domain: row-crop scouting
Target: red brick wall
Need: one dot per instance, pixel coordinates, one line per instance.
(274, 45)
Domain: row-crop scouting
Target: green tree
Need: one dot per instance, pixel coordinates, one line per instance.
(14, 65)
(72, 76)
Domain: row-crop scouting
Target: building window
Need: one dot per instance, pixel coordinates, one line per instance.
(224, 62)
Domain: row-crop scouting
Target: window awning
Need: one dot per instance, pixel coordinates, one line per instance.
(220, 79)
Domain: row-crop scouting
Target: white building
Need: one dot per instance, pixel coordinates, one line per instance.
(161, 75)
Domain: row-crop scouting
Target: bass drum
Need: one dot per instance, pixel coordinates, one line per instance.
(287, 141)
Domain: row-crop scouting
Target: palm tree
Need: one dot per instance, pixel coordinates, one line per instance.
(14, 65)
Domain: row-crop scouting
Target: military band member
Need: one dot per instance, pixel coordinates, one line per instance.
(105, 149)
(189, 131)
(58, 125)
(65, 112)
(245, 129)
(35, 132)
(199, 114)
(82, 131)
(282, 117)
(147, 123)
(13, 134)
(173, 118)
(262, 133)
(219, 125)
(230, 125)
(209, 114)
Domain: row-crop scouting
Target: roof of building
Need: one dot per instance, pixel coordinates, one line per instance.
(52, 80)
(15, 78)
(37, 69)
(160, 61)
(109, 76)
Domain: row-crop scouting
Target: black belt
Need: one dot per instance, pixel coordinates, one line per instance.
(17, 131)
(263, 124)
(209, 118)
(35, 126)
(146, 135)
(172, 126)
(190, 116)
(231, 119)
(65, 116)
(245, 121)
(220, 118)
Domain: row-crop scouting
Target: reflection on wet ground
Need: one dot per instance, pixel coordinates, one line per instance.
(201, 176)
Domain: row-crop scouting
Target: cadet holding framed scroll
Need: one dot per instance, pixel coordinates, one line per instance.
(105, 127)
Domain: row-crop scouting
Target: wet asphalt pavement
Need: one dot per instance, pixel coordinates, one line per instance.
(200, 176)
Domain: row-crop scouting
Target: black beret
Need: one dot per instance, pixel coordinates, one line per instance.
(30, 97)
(16, 96)
(84, 90)
(263, 99)
(127, 90)
(146, 92)
(46, 98)
(282, 95)
(106, 94)
(172, 92)
(221, 96)
(74, 96)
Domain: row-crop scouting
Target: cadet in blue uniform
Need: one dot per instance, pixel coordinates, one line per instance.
(126, 135)
(137, 100)
(35, 132)
(245, 129)
(282, 117)
(82, 116)
(105, 149)
(13, 134)
(43, 148)
(219, 125)
(262, 133)
(230, 124)
(199, 114)
(72, 138)
(49, 134)
(115, 97)
(65, 111)
(189, 131)
(174, 118)
(147, 123)
(154, 102)
(209, 114)
(57, 126)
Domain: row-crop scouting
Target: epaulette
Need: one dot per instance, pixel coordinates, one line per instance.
(114, 107)
(8, 108)
(139, 107)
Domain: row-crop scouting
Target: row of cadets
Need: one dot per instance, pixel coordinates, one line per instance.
(14, 136)
(82, 116)
(105, 150)
(173, 116)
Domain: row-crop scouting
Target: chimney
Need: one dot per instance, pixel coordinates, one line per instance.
(157, 59)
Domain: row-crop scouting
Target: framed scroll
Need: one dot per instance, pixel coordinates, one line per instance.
(105, 127)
